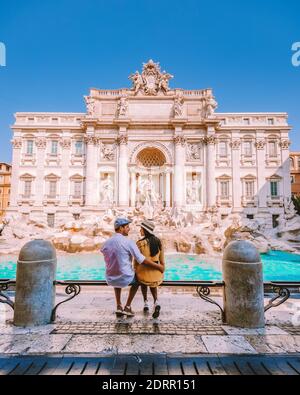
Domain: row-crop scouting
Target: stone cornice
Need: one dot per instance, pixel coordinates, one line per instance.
(125, 122)
(178, 122)
(254, 128)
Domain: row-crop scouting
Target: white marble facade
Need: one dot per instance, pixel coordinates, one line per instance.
(150, 145)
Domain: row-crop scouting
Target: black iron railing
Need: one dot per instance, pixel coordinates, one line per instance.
(281, 289)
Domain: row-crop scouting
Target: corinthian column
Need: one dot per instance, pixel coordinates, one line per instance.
(91, 172)
(168, 188)
(285, 163)
(65, 165)
(16, 160)
(123, 171)
(178, 186)
(133, 187)
(210, 170)
(262, 185)
(40, 170)
(236, 177)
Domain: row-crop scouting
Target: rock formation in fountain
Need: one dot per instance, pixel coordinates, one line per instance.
(181, 231)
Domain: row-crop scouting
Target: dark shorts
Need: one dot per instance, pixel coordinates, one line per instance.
(135, 281)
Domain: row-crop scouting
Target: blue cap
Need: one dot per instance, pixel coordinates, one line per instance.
(121, 222)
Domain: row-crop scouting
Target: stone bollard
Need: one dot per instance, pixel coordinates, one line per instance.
(244, 288)
(35, 291)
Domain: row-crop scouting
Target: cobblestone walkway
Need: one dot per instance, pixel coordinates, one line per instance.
(137, 329)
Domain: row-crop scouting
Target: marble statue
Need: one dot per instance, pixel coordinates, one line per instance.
(147, 191)
(122, 107)
(211, 105)
(107, 190)
(178, 106)
(193, 190)
(137, 81)
(289, 209)
(163, 83)
(90, 104)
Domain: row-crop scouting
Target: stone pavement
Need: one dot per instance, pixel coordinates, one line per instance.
(187, 325)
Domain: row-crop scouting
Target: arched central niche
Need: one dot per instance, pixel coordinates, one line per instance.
(151, 157)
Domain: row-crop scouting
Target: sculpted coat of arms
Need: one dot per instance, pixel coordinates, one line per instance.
(151, 81)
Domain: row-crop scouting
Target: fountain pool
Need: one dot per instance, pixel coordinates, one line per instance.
(278, 266)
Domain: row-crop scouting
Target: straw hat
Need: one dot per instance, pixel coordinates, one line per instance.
(148, 226)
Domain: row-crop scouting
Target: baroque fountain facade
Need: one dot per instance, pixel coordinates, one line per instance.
(152, 152)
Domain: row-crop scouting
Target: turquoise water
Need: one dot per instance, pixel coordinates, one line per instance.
(277, 266)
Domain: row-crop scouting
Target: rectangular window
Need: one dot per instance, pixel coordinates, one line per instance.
(29, 148)
(51, 220)
(250, 216)
(274, 188)
(77, 189)
(79, 148)
(224, 189)
(246, 121)
(54, 147)
(249, 189)
(271, 121)
(27, 188)
(223, 148)
(292, 179)
(52, 188)
(275, 220)
(248, 148)
(272, 149)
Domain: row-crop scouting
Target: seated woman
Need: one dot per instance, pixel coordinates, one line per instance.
(151, 247)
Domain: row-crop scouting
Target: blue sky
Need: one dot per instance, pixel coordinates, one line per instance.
(58, 49)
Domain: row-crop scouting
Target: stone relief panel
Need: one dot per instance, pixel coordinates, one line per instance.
(108, 152)
(194, 152)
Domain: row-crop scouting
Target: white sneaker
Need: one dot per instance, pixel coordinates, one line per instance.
(156, 310)
(146, 306)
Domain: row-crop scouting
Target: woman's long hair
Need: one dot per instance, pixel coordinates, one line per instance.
(153, 241)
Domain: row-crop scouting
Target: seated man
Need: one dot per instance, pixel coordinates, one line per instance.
(119, 252)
